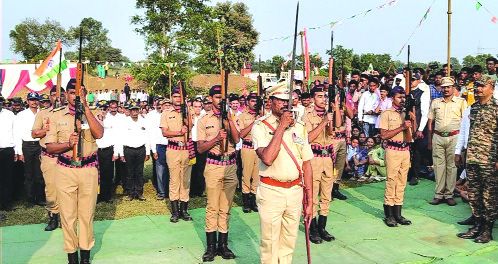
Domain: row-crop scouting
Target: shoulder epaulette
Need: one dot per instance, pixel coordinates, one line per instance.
(58, 109)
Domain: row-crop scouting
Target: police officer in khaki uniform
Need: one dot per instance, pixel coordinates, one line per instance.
(76, 181)
(280, 192)
(446, 113)
(220, 174)
(394, 128)
(180, 156)
(48, 162)
(250, 175)
(320, 132)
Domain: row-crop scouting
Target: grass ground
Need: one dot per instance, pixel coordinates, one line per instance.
(25, 215)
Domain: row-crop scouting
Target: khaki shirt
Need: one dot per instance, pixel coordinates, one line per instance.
(173, 121)
(447, 115)
(62, 126)
(42, 120)
(245, 120)
(312, 121)
(390, 119)
(283, 167)
(208, 128)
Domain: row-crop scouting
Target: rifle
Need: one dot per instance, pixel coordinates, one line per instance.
(77, 149)
(224, 110)
(59, 80)
(331, 92)
(305, 198)
(184, 109)
(260, 101)
(409, 101)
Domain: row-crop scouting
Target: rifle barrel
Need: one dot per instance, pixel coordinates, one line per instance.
(293, 63)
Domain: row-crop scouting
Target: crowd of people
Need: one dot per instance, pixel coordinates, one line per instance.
(363, 134)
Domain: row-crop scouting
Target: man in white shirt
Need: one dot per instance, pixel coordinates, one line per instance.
(135, 147)
(197, 183)
(158, 144)
(30, 152)
(108, 152)
(366, 108)
(7, 156)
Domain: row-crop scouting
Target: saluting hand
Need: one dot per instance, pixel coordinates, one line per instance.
(287, 119)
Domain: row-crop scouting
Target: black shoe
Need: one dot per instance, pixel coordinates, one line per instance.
(322, 223)
(85, 256)
(486, 233)
(129, 198)
(211, 247)
(474, 231)
(314, 237)
(389, 220)
(40, 203)
(72, 258)
(468, 221)
(398, 217)
(252, 202)
(223, 249)
(184, 213)
(53, 223)
(160, 197)
(174, 212)
(414, 181)
(336, 193)
(141, 198)
(245, 203)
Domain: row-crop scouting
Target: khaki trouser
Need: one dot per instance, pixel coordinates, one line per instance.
(221, 182)
(249, 170)
(340, 150)
(323, 180)
(443, 154)
(48, 168)
(279, 213)
(179, 174)
(77, 196)
(397, 165)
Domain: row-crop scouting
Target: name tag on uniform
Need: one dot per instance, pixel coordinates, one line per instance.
(62, 123)
(208, 127)
(172, 117)
(393, 119)
(297, 139)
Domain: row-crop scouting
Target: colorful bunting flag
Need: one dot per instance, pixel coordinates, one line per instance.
(478, 5)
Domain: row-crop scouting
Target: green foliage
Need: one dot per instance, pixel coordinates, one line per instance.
(35, 40)
(96, 43)
(237, 39)
(469, 60)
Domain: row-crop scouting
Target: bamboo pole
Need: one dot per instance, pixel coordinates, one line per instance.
(449, 38)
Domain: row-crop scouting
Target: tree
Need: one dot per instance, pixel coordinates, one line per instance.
(343, 58)
(469, 60)
(35, 40)
(237, 38)
(95, 40)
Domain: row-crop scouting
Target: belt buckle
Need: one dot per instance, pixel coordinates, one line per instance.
(325, 151)
(225, 158)
(75, 162)
(445, 134)
(181, 144)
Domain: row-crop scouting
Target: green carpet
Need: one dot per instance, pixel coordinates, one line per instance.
(361, 236)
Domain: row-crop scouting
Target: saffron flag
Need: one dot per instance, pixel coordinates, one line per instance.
(48, 70)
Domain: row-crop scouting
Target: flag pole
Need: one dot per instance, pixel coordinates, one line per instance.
(449, 38)
(59, 79)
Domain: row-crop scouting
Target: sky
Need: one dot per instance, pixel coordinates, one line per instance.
(379, 31)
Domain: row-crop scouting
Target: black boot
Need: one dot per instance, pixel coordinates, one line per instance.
(336, 193)
(322, 223)
(414, 181)
(53, 223)
(210, 248)
(245, 202)
(486, 233)
(468, 221)
(252, 202)
(389, 220)
(474, 231)
(184, 212)
(174, 212)
(85, 256)
(314, 237)
(223, 249)
(72, 258)
(398, 217)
